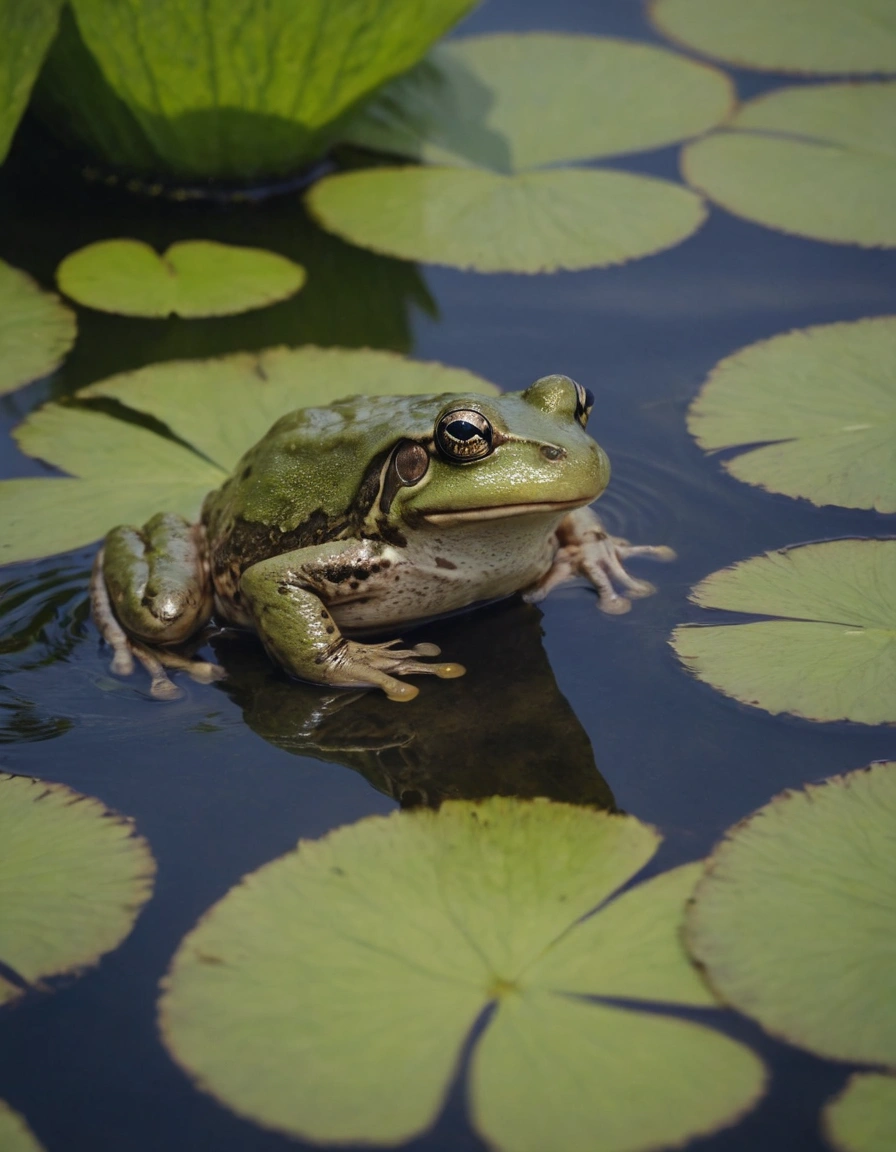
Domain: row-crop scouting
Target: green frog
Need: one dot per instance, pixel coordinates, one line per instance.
(374, 513)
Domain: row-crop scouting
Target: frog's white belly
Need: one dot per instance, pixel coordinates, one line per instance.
(442, 571)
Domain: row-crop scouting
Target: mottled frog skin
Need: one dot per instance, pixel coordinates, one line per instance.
(364, 516)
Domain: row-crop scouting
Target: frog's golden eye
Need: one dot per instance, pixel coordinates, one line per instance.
(464, 435)
(584, 404)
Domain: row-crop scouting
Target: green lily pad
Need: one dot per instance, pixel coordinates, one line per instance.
(863, 1117)
(192, 278)
(15, 1135)
(476, 112)
(373, 953)
(821, 402)
(36, 329)
(73, 877)
(26, 32)
(785, 35)
(216, 408)
(830, 652)
(793, 920)
(513, 102)
(816, 161)
(531, 222)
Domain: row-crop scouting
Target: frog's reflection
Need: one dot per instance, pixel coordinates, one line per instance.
(503, 729)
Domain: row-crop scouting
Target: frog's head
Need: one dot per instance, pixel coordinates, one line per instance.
(524, 453)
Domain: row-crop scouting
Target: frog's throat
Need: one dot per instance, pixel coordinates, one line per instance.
(502, 511)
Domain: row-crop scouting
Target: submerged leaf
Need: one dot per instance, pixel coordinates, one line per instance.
(786, 35)
(373, 952)
(829, 655)
(26, 32)
(793, 920)
(816, 161)
(532, 222)
(218, 408)
(73, 877)
(823, 402)
(516, 101)
(191, 278)
(36, 329)
(863, 1117)
(15, 1135)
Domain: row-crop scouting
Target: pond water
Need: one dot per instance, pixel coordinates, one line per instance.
(225, 779)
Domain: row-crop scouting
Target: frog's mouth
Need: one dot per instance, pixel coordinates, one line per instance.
(502, 511)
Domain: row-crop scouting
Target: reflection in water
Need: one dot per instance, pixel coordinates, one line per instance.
(503, 729)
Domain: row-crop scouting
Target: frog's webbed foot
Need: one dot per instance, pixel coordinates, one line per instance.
(125, 649)
(377, 665)
(586, 549)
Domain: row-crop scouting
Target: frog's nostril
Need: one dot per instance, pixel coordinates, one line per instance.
(551, 452)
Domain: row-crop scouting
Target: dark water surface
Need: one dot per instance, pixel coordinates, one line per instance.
(220, 783)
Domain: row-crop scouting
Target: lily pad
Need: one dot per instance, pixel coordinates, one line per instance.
(793, 920)
(829, 652)
(513, 102)
(489, 202)
(36, 329)
(785, 35)
(73, 877)
(531, 222)
(192, 278)
(15, 1135)
(230, 90)
(816, 161)
(863, 1117)
(26, 32)
(215, 408)
(820, 403)
(374, 952)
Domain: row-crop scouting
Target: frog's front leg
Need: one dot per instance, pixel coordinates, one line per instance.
(151, 586)
(284, 597)
(585, 548)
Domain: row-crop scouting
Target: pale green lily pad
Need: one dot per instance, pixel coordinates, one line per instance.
(26, 32)
(816, 161)
(191, 278)
(15, 1135)
(827, 36)
(863, 1117)
(513, 102)
(830, 652)
(531, 222)
(73, 877)
(218, 408)
(363, 960)
(821, 402)
(228, 90)
(793, 920)
(36, 329)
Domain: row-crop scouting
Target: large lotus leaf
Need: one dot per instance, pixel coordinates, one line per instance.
(816, 161)
(863, 1117)
(793, 920)
(822, 401)
(233, 88)
(531, 222)
(191, 278)
(26, 31)
(830, 653)
(363, 960)
(786, 35)
(15, 1135)
(511, 102)
(216, 408)
(36, 329)
(73, 877)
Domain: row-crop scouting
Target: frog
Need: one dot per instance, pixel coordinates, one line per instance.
(366, 517)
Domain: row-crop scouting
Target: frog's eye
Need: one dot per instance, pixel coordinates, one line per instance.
(464, 435)
(584, 404)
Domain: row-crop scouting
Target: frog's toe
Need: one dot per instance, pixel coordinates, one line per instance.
(378, 665)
